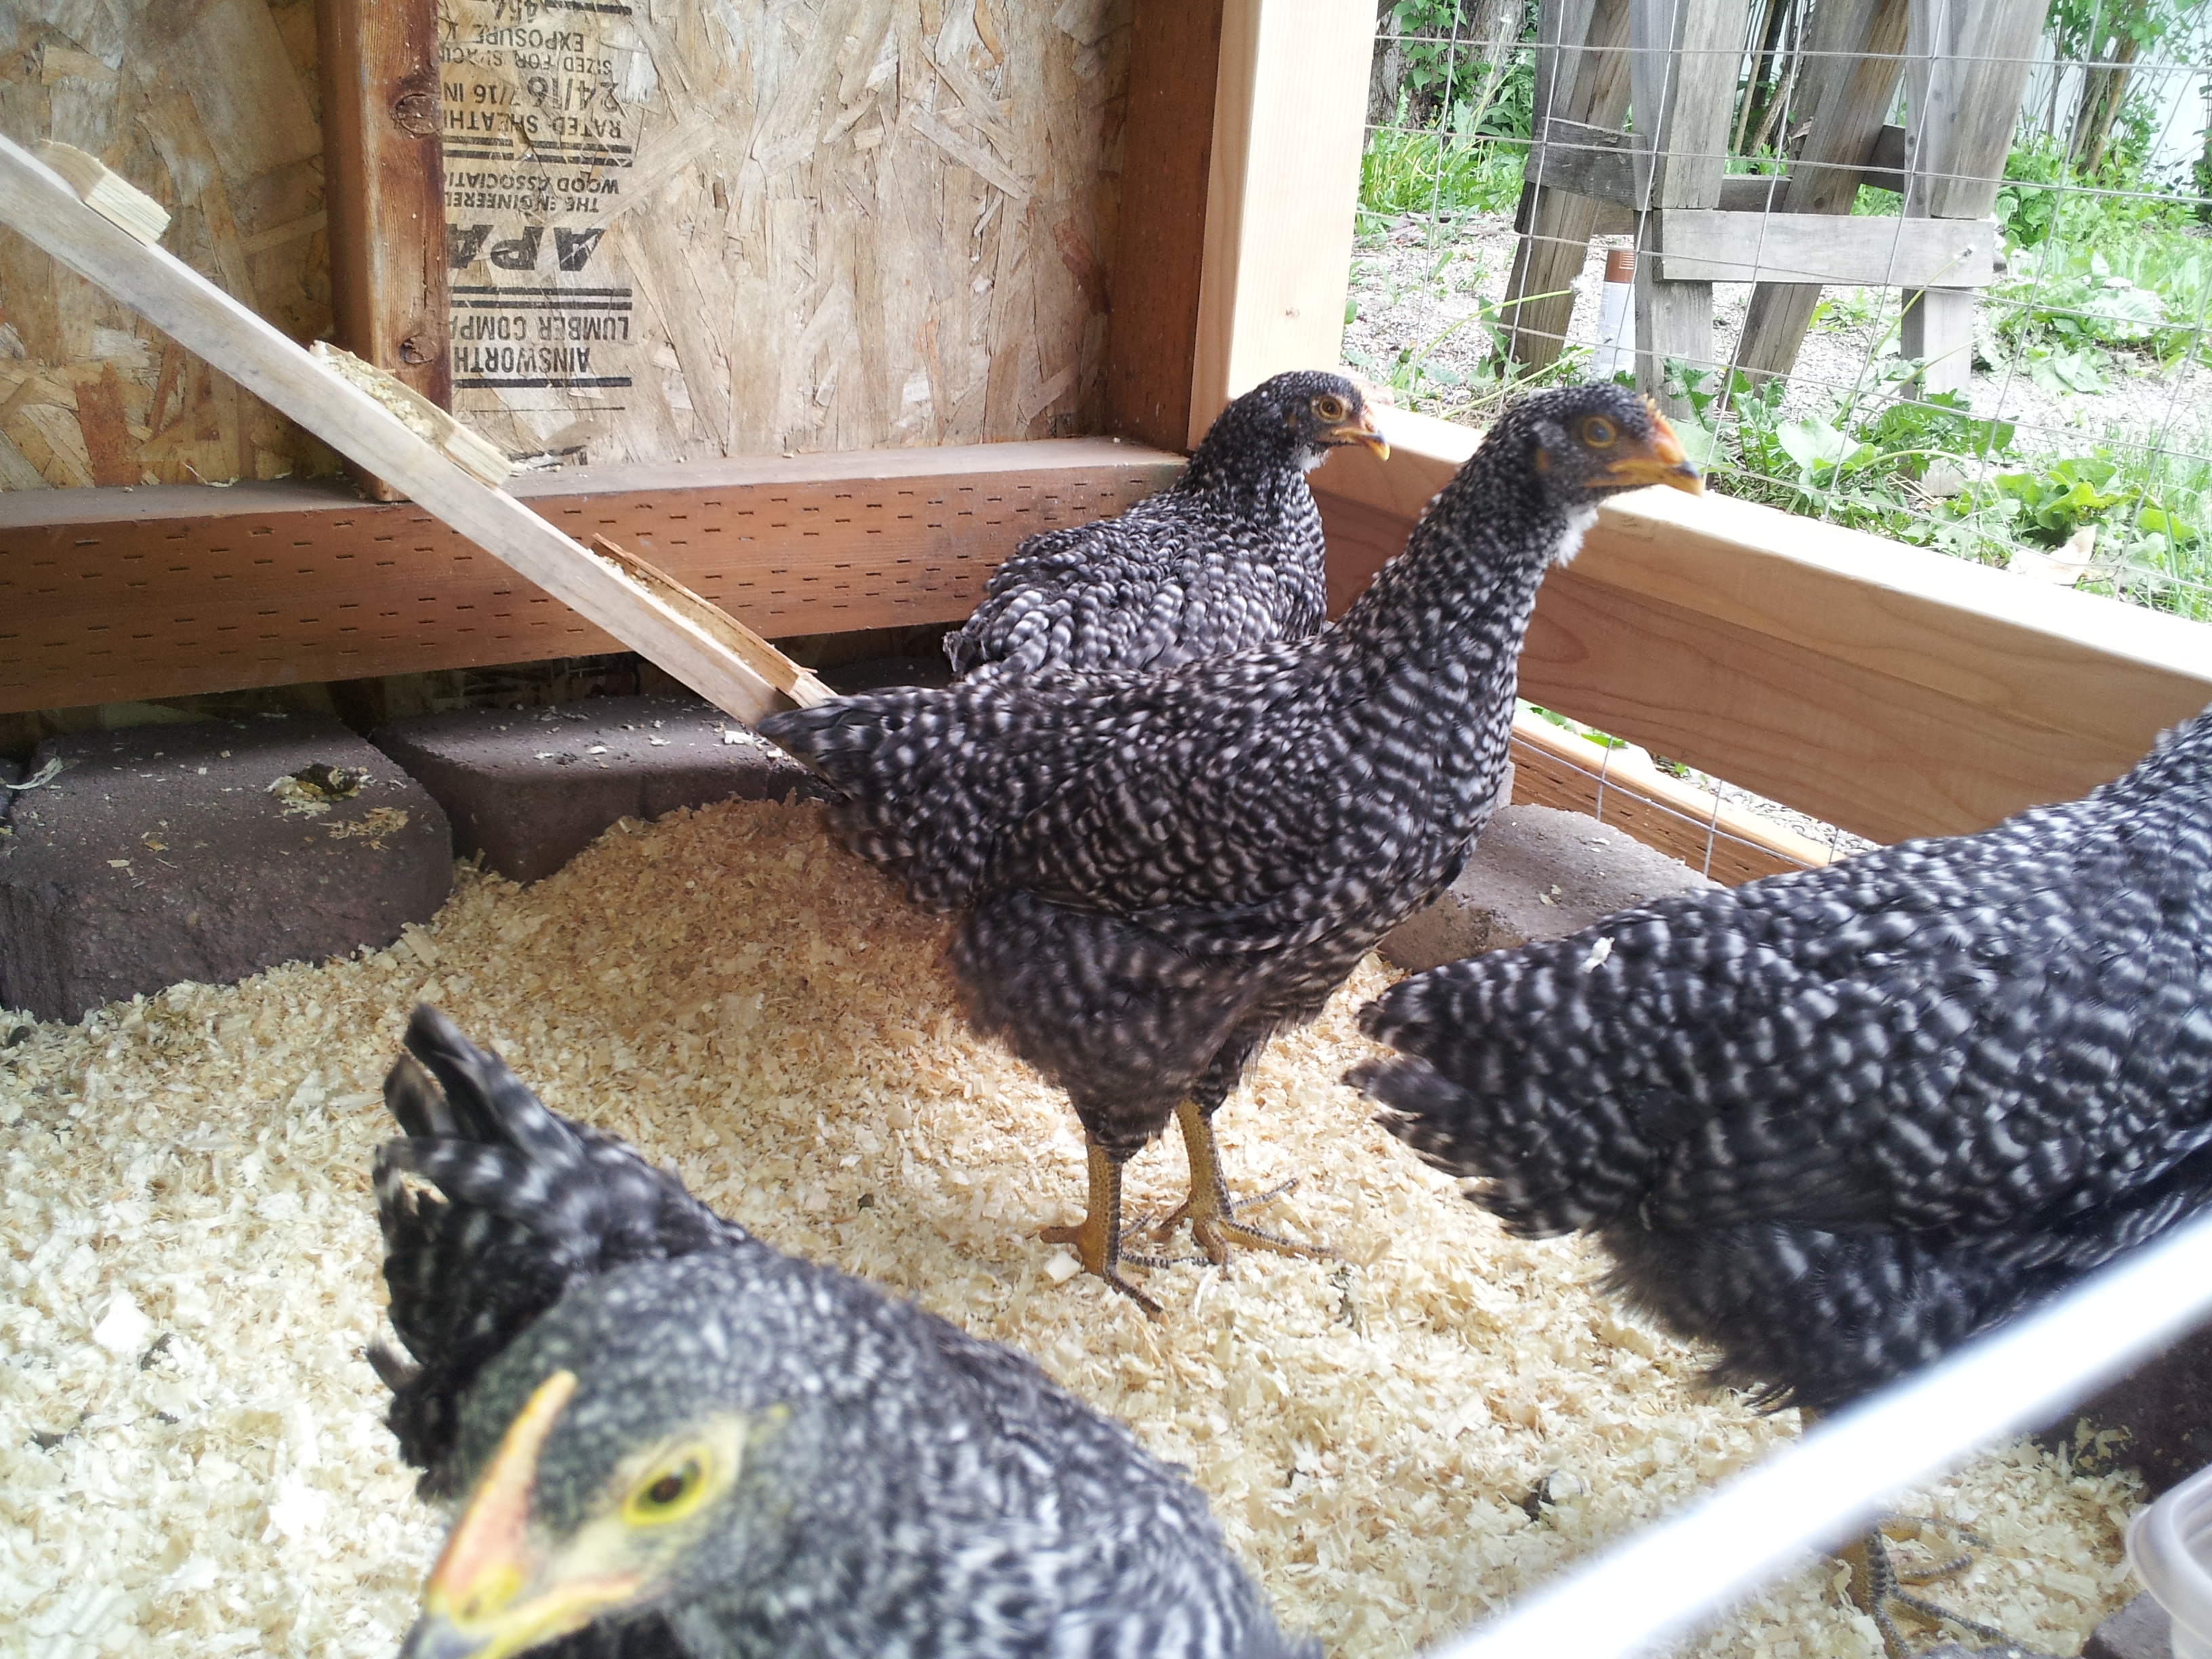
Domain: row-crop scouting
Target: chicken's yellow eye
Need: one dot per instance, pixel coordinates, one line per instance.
(1599, 433)
(670, 1492)
(1330, 407)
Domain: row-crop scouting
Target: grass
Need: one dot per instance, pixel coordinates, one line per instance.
(1929, 473)
(1404, 173)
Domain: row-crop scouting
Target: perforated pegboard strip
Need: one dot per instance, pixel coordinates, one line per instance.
(161, 593)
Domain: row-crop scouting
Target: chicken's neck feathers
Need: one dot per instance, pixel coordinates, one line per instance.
(1265, 491)
(1449, 613)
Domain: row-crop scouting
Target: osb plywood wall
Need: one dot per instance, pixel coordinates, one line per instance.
(208, 105)
(678, 229)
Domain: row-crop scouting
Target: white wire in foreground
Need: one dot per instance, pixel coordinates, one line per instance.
(1684, 1571)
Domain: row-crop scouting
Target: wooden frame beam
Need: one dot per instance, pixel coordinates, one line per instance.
(1159, 260)
(204, 319)
(110, 595)
(1709, 247)
(1891, 690)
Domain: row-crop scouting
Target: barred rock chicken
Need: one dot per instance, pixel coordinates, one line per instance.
(678, 1443)
(1155, 872)
(1227, 556)
(1839, 1123)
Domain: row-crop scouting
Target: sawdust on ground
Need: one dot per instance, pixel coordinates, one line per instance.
(192, 1459)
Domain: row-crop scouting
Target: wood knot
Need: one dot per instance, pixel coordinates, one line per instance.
(414, 103)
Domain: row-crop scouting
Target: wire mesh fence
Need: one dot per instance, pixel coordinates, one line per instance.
(2050, 412)
(1719, 829)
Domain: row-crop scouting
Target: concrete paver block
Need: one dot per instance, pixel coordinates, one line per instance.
(528, 789)
(1537, 873)
(158, 854)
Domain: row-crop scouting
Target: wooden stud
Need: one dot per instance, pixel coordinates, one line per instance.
(386, 189)
(1159, 258)
(1289, 110)
(1850, 82)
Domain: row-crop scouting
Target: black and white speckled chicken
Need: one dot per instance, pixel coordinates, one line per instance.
(1228, 555)
(1155, 872)
(1839, 1123)
(679, 1443)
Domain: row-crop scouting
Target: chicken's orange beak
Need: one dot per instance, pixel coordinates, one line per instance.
(1661, 459)
(486, 1598)
(1363, 431)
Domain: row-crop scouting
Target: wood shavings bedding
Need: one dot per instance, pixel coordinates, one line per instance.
(192, 1459)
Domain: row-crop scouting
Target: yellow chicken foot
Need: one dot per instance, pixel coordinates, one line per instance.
(1210, 1210)
(1097, 1238)
(1876, 1583)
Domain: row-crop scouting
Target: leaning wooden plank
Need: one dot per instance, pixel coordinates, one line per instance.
(200, 317)
(771, 664)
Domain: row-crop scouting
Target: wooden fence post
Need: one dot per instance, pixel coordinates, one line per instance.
(1966, 64)
(1682, 75)
(1581, 76)
(1853, 53)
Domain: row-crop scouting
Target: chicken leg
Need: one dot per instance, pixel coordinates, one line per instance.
(1098, 1236)
(1210, 1210)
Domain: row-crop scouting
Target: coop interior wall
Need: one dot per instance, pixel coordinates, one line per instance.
(831, 226)
(212, 110)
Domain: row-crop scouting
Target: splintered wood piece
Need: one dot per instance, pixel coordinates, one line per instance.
(37, 202)
(110, 195)
(432, 424)
(796, 683)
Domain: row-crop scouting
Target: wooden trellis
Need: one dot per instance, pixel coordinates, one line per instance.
(1664, 179)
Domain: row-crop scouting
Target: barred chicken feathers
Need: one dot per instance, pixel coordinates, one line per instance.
(922, 1491)
(532, 1203)
(1157, 871)
(1839, 1121)
(1229, 556)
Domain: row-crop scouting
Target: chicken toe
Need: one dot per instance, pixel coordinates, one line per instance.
(1210, 1210)
(1878, 1586)
(1098, 1236)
